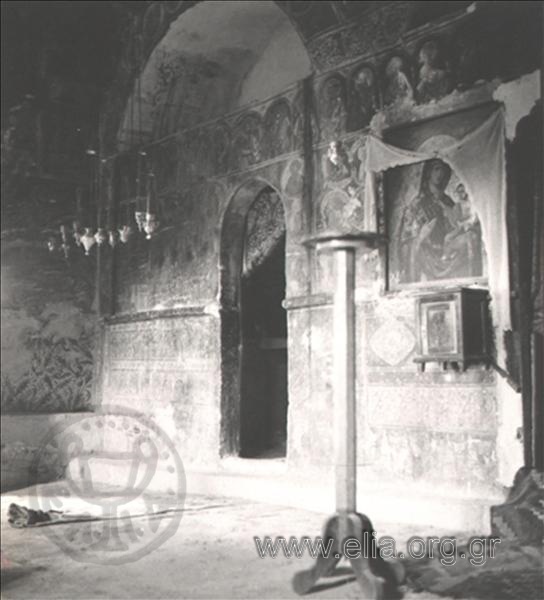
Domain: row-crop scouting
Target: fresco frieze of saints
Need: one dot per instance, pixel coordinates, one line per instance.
(434, 231)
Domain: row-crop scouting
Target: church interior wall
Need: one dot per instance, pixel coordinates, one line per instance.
(164, 302)
(436, 430)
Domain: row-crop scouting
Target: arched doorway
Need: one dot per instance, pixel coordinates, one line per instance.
(253, 325)
(263, 394)
(213, 59)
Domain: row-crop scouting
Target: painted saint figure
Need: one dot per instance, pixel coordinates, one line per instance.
(363, 103)
(438, 238)
(278, 126)
(434, 77)
(397, 86)
(334, 107)
(342, 212)
(248, 143)
(337, 169)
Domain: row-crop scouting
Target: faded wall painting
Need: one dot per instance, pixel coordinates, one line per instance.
(396, 84)
(435, 78)
(48, 330)
(435, 233)
(341, 206)
(248, 141)
(333, 107)
(363, 102)
(278, 131)
(265, 227)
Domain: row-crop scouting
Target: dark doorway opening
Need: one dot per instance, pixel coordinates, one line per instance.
(263, 402)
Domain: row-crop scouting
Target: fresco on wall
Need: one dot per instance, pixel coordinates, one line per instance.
(336, 165)
(265, 226)
(196, 156)
(47, 330)
(343, 164)
(161, 97)
(59, 378)
(435, 78)
(176, 268)
(292, 178)
(248, 142)
(435, 233)
(278, 129)
(333, 107)
(298, 120)
(397, 86)
(292, 192)
(363, 102)
(341, 206)
(342, 212)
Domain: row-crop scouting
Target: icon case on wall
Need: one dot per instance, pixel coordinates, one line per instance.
(452, 327)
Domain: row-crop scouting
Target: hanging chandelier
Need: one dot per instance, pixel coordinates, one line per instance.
(145, 203)
(88, 228)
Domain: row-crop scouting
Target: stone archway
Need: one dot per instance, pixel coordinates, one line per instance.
(236, 271)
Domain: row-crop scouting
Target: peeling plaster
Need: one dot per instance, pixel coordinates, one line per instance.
(518, 97)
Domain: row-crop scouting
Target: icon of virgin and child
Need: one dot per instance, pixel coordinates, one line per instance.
(437, 236)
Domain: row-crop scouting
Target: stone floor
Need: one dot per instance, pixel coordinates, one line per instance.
(212, 554)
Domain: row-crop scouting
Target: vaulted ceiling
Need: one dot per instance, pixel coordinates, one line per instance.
(214, 57)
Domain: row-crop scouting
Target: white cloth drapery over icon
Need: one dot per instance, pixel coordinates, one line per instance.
(478, 159)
